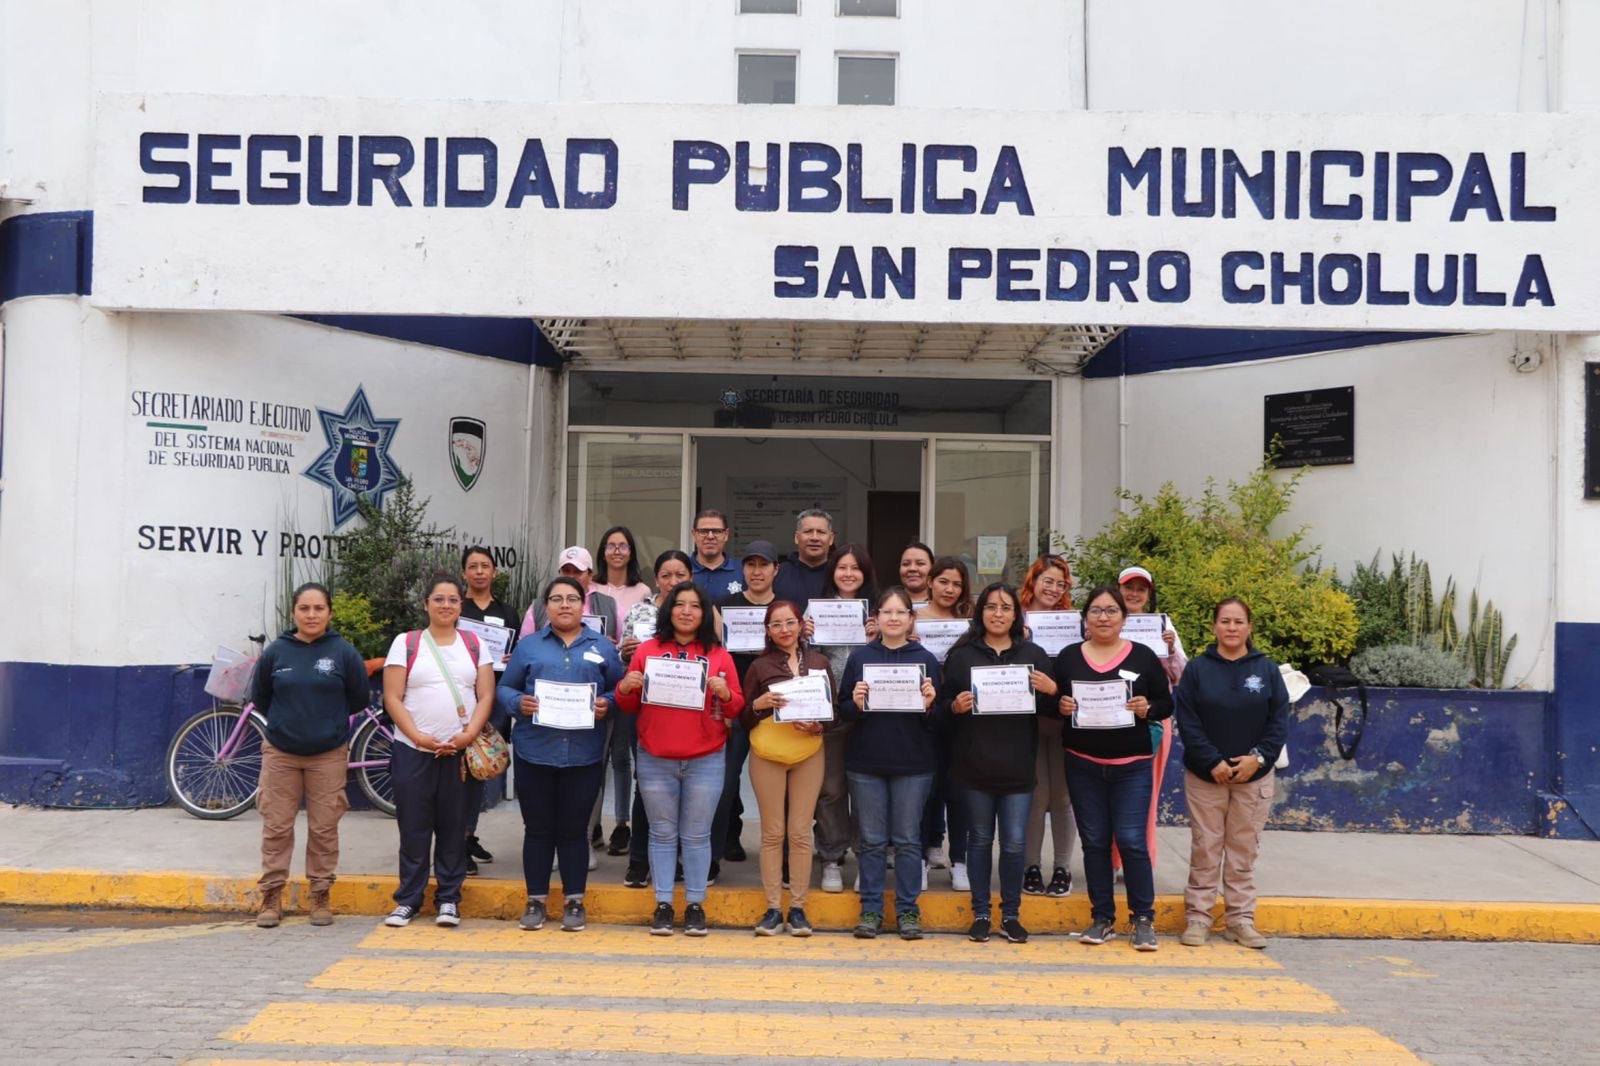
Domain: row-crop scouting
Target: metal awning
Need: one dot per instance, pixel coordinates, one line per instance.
(614, 342)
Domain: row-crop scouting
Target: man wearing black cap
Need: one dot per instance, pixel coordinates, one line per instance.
(760, 566)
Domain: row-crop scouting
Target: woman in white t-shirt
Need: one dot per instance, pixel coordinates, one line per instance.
(438, 687)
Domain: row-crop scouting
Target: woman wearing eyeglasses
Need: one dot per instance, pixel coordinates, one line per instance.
(681, 764)
(1046, 588)
(1111, 689)
(438, 687)
(560, 767)
(993, 754)
(786, 766)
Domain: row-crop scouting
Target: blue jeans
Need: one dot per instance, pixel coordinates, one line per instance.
(680, 798)
(1113, 802)
(890, 812)
(1011, 809)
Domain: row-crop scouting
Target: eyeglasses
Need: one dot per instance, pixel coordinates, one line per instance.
(446, 601)
(1052, 583)
(999, 608)
(612, 549)
(893, 612)
(565, 601)
(711, 532)
(1102, 612)
(786, 623)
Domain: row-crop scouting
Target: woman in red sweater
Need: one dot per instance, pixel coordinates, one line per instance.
(683, 686)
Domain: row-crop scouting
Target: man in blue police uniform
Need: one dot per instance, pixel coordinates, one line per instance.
(710, 567)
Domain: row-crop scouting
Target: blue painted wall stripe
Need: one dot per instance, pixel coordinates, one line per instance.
(50, 253)
(1149, 349)
(1577, 719)
(516, 340)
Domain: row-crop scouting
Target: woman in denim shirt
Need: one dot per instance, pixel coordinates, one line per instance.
(559, 771)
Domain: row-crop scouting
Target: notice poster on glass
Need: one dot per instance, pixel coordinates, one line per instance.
(939, 635)
(744, 628)
(805, 699)
(564, 706)
(838, 622)
(677, 683)
(1101, 705)
(1002, 690)
(1054, 630)
(1146, 629)
(894, 687)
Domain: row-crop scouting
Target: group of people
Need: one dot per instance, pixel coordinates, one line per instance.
(882, 743)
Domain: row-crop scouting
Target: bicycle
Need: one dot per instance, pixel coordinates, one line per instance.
(213, 764)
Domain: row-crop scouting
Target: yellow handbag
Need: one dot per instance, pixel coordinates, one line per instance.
(782, 743)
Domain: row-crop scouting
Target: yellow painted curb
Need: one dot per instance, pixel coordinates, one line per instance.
(942, 910)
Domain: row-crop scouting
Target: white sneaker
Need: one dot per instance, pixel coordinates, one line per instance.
(924, 877)
(449, 914)
(594, 860)
(401, 916)
(832, 877)
(936, 859)
(958, 878)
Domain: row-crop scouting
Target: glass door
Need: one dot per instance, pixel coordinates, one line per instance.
(989, 504)
(636, 480)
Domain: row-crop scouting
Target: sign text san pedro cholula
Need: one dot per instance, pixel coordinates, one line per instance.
(848, 213)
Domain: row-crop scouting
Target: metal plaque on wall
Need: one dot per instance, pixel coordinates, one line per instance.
(1591, 431)
(1314, 428)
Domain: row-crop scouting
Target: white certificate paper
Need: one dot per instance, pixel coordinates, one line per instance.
(1146, 629)
(563, 705)
(893, 687)
(806, 699)
(838, 621)
(744, 628)
(1002, 690)
(596, 622)
(1054, 630)
(493, 638)
(939, 635)
(1101, 705)
(644, 628)
(675, 683)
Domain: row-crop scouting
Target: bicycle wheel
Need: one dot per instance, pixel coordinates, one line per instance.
(373, 745)
(205, 784)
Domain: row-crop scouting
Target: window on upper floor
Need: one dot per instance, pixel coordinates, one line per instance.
(866, 79)
(769, 7)
(869, 8)
(767, 77)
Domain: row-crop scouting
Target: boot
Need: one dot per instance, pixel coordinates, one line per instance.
(271, 908)
(321, 909)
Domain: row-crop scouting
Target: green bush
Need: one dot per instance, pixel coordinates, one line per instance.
(1380, 601)
(352, 620)
(1410, 665)
(1218, 545)
(388, 561)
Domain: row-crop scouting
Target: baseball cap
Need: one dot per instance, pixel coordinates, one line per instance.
(1132, 572)
(760, 549)
(576, 556)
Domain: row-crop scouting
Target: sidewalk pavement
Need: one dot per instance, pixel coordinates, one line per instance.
(1313, 884)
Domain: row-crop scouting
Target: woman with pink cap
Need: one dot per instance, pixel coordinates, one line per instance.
(1139, 593)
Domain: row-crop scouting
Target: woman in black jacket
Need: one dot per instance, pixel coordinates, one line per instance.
(1233, 714)
(994, 747)
(1111, 689)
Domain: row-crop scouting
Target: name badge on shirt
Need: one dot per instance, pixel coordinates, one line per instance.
(592, 656)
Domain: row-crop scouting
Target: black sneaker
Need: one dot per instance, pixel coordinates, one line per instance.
(597, 839)
(661, 921)
(799, 924)
(1060, 883)
(533, 917)
(638, 875)
(1033, 881)
(1013, 930)
(734, 851)
(713, 873)
(573, 918)
(477, 851)
(472, 866)
(620, 839)
(869, 925)
(910, 925)
(978, 931)
(694, 920)
(771, 923)
(1144, 935)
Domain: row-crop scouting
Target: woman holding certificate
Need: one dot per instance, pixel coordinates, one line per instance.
(1111, 689)
(438, 687)
(683, 686)
(789, 697)
(1045, 592)
(995, 684)
(1233, 712)
(887, 689)
(1139, 593)
(850, 577)
(558, 688)
(941, 623)
(480, 608)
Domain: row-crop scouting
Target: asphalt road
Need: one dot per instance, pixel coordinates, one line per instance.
(87, 987)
